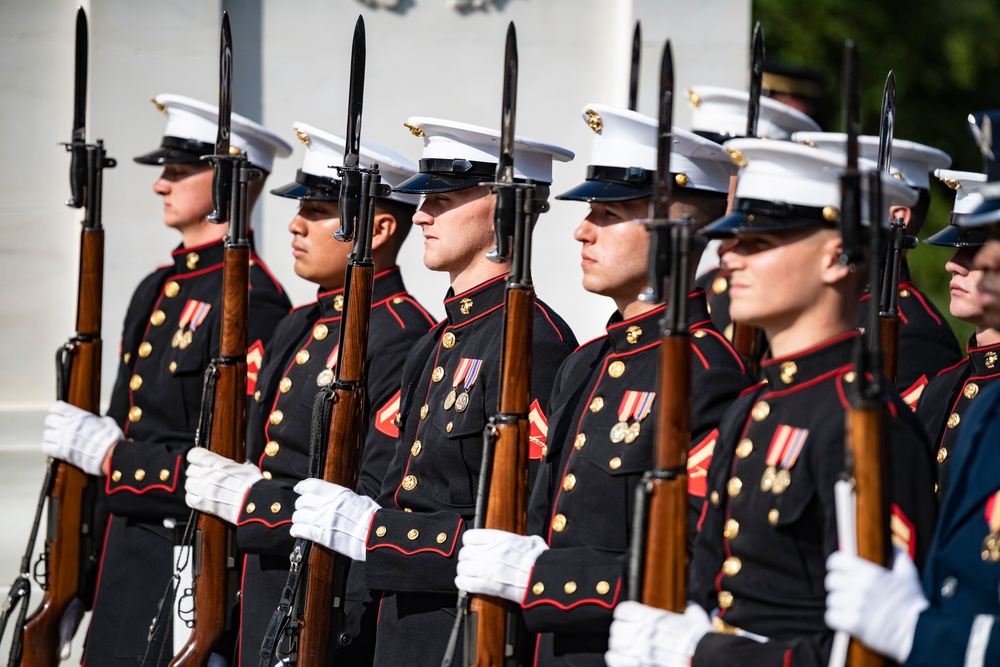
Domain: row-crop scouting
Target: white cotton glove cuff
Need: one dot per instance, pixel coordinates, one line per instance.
(646, 636)
(333, 516)
(878, 606)
(495, 562)
(68, 625)
(79, 437)
(217, 485)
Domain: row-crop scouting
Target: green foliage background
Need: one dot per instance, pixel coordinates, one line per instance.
(946, 57)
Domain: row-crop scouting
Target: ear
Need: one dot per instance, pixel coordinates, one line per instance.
(832, 270)
(383, 227)
(900, 212)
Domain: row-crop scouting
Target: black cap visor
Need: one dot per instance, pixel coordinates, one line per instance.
(957, 237)
(609, 184)
(755, 216)
(175, 150)
(310, 187)
(443, 175)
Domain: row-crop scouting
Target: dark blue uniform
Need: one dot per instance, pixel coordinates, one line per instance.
(171, 332)
(429, 491)
(962, 577)
(769, 522)
(301, 359)
(943, 405)
(583, 501)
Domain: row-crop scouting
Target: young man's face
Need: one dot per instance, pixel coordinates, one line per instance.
(964, 287)
(615, 250)
(987, 260)
(776, 277)
(457, 228)
(319, 257)
(187, 194)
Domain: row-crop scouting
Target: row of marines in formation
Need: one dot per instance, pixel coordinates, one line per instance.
(767, 583)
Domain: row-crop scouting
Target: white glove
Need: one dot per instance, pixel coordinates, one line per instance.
(878, 606)
(333, 516)
(495, 562)
(217, 485)
(647, 636)
(79, 437)
(68, 624)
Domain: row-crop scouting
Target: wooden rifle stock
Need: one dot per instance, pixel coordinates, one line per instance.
(507, 502)
(340, 464)
(215, 573)
(889, 332)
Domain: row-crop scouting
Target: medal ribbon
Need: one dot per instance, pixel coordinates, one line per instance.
(188, 312)
(795, 440)
(200, 314)
(463, 367)
(646, 399)
(473, 372)
(992, 512)
(629, 402)
(777, 447)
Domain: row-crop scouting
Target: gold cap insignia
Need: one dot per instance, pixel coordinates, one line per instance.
(738, 158)
(694, 97)
(415, 130)
(159, 107)
(303, 137)
(594, 120)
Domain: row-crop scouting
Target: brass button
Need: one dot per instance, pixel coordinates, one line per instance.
(412, 534)
(569, 481)
(157, 318)
(271, 448)
(904, 293)
(276, 417)
(251, 508)
(302, 357)
(338, 303)
(616, 368)
(570, 587)
(285, 385)
(633, 334)
(191, 260)
(449, 426)
(134, 414)
(423, 411)
(725, 599)
(538, 588)
(732, 566)
(615, 463)
(448, 340)
(266, 474)
(714, 497)
(719, 285)
(559, 523)
(773, 516)
(465, 305)
(953, 420)
(597, 404)
(441, 537)
(415, 448)
(545, 451)
(731, 529)
(135, 382)
(735, 486)
(760, 411)
(320, 331)
(409, 482)
(971, 390)
(256, 395)
(164, 475)
(850, 376)
(942, 455)
(603, 587)
(438, 374)
(126, 357)
(398, 300)
(171, 289)
(700, 333)
(116, 476)
(744, 449)
(145, 349)
(788, 371)
(275, 508)
(380, 531)
(172, 366)
(581, 440)
(140, 475)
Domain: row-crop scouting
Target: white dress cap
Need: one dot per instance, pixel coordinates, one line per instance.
(623, 158)
(319, 178)
(458, 155)
(192, 126)
(913, 161)
(968, 197)
(784, 186)
(721, 113)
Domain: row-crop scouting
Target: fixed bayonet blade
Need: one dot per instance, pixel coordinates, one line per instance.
(80, 78)
(504, 213)
(888, 123)
(350, 182)
(223, 180)
(850, 215)
(756, 79)
(665, 136)
(852, 103)
(633, 81)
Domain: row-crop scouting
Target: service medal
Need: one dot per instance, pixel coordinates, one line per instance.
(633, 433)
(462, 402)
(325, 377)
(178, 337)
(618, 432)
(781, 481)
(767, 479)
(186, 339)
(449, 400)
(991, 548)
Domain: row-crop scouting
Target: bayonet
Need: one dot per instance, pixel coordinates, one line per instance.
(78, 140)
(756, 79)
(350, 183)
(887, 124)
(659, 205)
(223, 182)
(850, 213)
(503, 216)
(633, 81)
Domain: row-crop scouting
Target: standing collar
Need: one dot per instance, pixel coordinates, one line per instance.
(201, 257)
(809, 364)
(386, 284)
(644, 329)
(985, 360)
(461, 308)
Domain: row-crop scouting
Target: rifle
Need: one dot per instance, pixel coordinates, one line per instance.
(338, 409)
(223, 416)
(633, 73)
(748, 339)
(866, 453)
(67, 564)
(659, 535)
